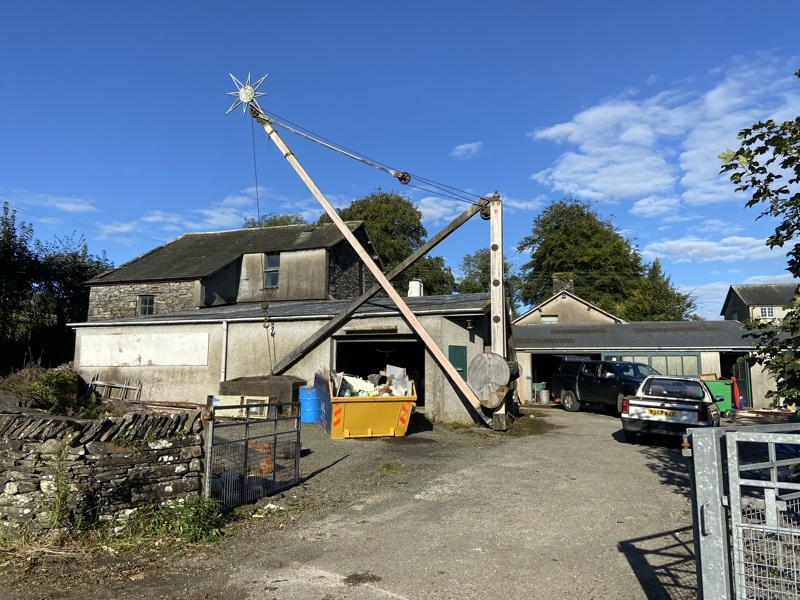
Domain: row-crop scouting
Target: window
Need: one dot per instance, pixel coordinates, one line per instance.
(145, 305)
(767, 312)
(549, 319)
(271, 270)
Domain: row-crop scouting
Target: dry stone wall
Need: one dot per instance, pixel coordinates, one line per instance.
(105, 468)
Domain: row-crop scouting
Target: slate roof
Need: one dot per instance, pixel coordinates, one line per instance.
(761, 294)
(627, 337)
(197, 255)
(462, 305)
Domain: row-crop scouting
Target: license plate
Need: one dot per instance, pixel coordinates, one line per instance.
(660, 412)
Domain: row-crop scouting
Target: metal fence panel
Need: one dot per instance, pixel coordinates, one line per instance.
(253, 450)
(746, 506)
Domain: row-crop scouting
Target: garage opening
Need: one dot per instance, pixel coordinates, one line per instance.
(365, 354)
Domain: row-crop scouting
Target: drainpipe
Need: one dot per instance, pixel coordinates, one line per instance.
(224, 357)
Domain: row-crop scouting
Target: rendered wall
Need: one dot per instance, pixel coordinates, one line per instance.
(569, 312)
(251, 350)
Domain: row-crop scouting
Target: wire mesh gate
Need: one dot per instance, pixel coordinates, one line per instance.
(746, 505)
(253, 451)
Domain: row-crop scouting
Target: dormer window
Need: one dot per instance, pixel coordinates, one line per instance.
(767, 312)
(272, 267)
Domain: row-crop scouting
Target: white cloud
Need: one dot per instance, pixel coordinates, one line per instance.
(637, 149)
(467, 151)
(43, 201)
(439, 211)
(709, 298)
(697, 249)
(653, 206)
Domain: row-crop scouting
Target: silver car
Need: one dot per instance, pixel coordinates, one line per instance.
(668, 405)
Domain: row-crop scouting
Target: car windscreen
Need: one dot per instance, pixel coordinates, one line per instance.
(674, 388)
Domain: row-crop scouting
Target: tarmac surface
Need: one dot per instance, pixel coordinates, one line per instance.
(569, 511)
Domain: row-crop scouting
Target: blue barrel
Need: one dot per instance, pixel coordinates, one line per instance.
(309, 404)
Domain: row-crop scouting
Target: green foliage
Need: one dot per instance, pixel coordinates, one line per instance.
(190, 519)
(17, 271)
(568, 236)
(767, 166)
(273, 220)
(476, 277)
(395, 227)
(59, 505)
(569, 240)
(654, 299)
(55, 390)
(42, 288)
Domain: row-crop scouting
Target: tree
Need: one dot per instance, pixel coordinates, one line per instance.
(569, 237)
(767, 165)
(65, 267)
(654, 299)
(42, 288)
(394, 224)
(476, 277)
(17, 271)
(273, 220)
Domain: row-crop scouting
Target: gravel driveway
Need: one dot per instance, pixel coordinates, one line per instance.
(570, 511)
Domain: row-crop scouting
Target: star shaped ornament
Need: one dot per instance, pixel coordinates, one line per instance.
(246, 94)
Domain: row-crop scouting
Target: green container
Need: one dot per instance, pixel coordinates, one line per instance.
(724, 388)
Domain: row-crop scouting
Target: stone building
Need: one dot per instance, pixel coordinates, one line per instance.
(189, 317)
(199, 270)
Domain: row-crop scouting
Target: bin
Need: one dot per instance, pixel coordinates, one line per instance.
(366, 416)
(543, 396)
(309, 404)
(721, 387)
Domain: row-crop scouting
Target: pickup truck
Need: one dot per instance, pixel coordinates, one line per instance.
(602, 382)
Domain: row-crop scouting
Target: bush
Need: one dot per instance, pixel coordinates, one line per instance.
(54, 390)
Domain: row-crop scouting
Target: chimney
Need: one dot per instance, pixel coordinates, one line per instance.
(563, 281)
(414, 288)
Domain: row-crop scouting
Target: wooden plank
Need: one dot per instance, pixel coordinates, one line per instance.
(467, 394)
(325, 332)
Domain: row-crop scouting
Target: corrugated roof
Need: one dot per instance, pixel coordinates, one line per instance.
(651, 336)
(467, 305)
(196, 255)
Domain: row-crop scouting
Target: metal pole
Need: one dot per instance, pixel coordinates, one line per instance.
(409, 316)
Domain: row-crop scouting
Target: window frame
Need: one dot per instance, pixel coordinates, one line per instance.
(272, 271)
(145, 305)
(766, 312)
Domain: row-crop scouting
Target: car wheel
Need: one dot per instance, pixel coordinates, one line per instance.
(570, 401)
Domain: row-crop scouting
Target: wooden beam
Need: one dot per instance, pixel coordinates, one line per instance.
(467, 395)
(331, 326)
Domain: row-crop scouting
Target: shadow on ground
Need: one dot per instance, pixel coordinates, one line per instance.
(664, 564)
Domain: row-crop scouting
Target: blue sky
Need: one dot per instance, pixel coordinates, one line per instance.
(112, 117)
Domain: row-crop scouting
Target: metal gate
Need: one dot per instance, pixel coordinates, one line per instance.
(746, 508)
(252, 450)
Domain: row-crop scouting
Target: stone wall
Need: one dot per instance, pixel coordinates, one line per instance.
(348, 277)
(108, 467)
(118, 301)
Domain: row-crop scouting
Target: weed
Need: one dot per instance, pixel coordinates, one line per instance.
(390, 468)
(190, 519)
(58, 506)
